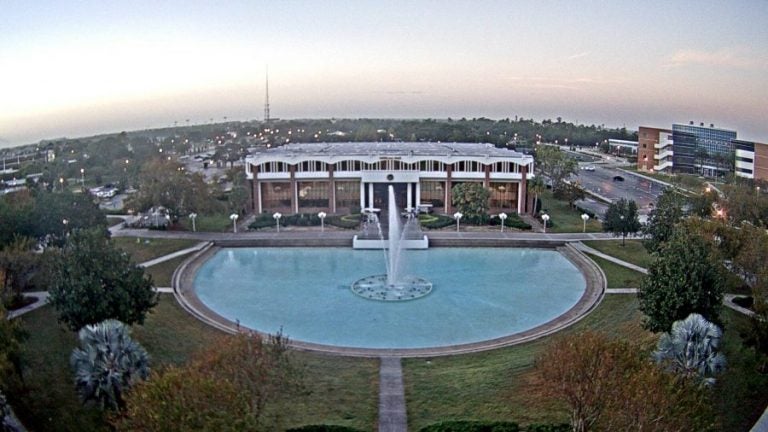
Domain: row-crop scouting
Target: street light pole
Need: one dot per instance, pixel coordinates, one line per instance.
(503, 217)
(322, 216)
(233, 217)
(545, 218)
(585, 218)
(82, 177)
(457, 216)
(277, 217)
(193, 216)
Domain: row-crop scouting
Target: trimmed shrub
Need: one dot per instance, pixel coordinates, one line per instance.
(471, 426)
(548, 427)
(513, 221)
(435, 221)
(350, 221)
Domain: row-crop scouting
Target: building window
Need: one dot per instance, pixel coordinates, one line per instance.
(313, 194)
(276, 196)
(348, 196)
(503, 196)
(432, 192)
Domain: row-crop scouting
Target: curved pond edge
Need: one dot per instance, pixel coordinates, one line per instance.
(183, 289)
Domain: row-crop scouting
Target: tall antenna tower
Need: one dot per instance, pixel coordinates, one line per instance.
(266, 99)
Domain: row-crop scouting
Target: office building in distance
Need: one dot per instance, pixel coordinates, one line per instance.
(347, 177)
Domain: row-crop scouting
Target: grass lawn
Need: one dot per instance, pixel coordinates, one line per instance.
(208, 223)
(632, 252)
(564, 217)
(342, 391)
(163, 273)
(147, 249)
(618, 276)
(112, 221)
(494, 385)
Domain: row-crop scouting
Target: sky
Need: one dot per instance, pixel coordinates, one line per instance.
(78, 68)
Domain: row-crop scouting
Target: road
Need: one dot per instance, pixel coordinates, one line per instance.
(601, 181)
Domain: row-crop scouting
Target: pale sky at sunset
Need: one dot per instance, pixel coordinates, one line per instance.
(74, 68)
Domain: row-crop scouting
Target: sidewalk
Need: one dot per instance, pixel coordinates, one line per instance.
(584, 248)
(173, 255)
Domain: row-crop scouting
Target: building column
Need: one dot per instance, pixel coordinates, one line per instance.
(294, 190)
(409, 197)
(332, 192)
(487, 181)
(418, 194)
(256, 189)
(370, 195)
(448, 187)
(362, 195)
(522, 194)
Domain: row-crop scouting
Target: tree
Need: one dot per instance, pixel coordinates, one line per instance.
(571, 192)
(471, 199)
(702, 205)
(12, 335)
(165, 183)
(685, 278)
(94, 281)
(609, 385)
(662, 219)
(621, 219)
(555, 164)
(18, 264)
(691, 349)
(58, 213)
(235, 384)
(107, 363)
(536, 186)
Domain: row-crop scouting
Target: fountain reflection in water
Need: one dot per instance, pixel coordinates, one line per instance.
(393, 286)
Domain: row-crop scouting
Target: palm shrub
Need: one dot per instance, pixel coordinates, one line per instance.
(107, 363)
(691, 349)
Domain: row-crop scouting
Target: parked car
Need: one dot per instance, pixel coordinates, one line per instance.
(588, 168)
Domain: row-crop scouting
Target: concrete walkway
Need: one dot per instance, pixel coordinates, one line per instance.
(728, 301)
(584, 248)
(392, 413)
(621, 290)
(41, 298)
(173, 255)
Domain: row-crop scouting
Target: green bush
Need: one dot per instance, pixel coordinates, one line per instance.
(323, 428)
(471, 426)
(435, 221)
(350, 221)
(513, 221)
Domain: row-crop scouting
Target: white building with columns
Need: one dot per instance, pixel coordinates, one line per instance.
(346, 177)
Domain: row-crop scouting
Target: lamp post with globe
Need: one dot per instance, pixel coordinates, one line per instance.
(503, 217)
(457, 216)
(545, 218)
(233, 217)
(277, 217)
(322, 216)
(585, 218)
(192, 217)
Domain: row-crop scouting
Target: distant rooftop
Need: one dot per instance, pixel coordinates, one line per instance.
(392, 149)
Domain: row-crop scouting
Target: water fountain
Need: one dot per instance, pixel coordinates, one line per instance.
(393, 286)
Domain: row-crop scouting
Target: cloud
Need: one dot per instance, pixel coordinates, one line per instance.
(726, 57)
(577, 56)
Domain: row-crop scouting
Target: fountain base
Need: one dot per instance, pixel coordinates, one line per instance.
(377, 288)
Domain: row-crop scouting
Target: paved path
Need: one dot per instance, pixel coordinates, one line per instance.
(621, 290)
(728, 301)
(173, 255)
(41, 299)
(587, 249)
(392, 414)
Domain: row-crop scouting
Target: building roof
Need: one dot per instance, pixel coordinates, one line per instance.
(378, 149)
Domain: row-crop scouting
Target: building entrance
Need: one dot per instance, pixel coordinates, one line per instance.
(381, 195)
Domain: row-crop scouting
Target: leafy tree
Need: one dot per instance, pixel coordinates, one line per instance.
(239, 196)
(662, 219)
(107, 363)
(750, 261)
(536, 186)
(691, 349)
(165, 183)
(743, 201)
(12, 335)
(94, 281)
(235, 384)
(685, 278)
(471, 199)
(571, 192)
(702, 205)
(57, 213)
(621, 219)
(608, 384)
(18, 264)
(15, 211)
(555, 164)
